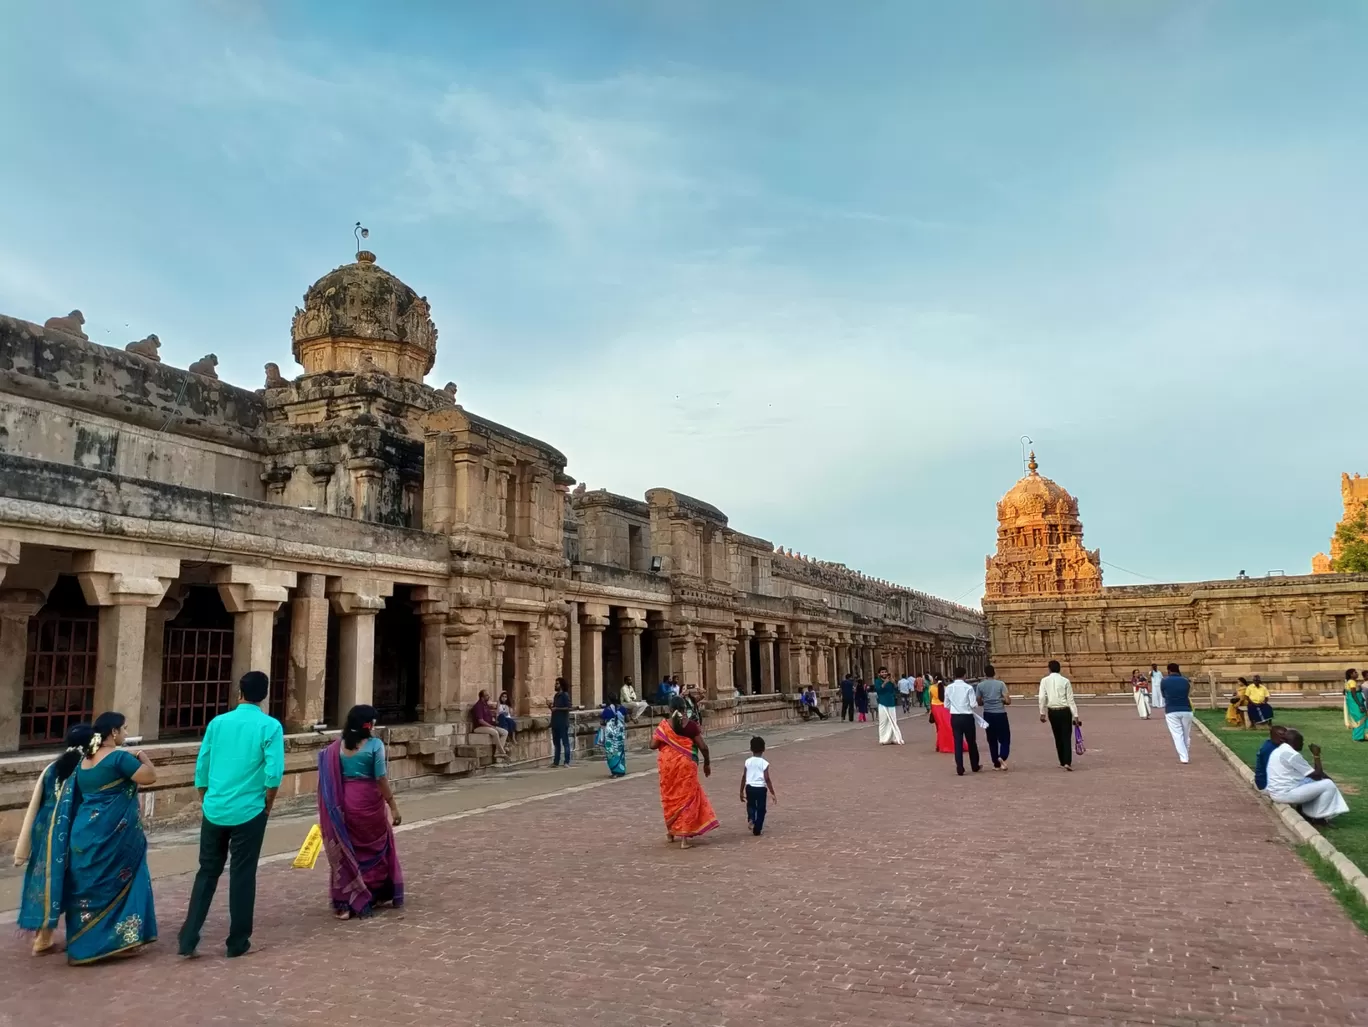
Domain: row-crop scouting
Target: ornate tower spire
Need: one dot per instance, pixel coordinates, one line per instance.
(1040, 543)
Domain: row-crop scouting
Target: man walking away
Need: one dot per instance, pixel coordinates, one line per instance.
(919, 683)
(1156, 696)
(960, 700)
(237, 773)
(887, 692)
(994, 698)
(848, 698)
(1176, 693)
(1058, 706)
(905, 693)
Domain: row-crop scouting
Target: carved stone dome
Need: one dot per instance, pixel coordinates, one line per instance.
(1038, 496)
(362, 319)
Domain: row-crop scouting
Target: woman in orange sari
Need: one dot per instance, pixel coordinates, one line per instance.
(688, 814)
(940, 716)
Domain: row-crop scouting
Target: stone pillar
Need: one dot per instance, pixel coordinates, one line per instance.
(253, 595)
(16, 607)
(433, 612)
(304, 696)
(593, 622)
(154, 657)
(764, 635)
(9, 555)
(356, 602)
(741, 663)
(661, 629)
(784, 668)
(631, 623)
(570, 661)
(124, 586)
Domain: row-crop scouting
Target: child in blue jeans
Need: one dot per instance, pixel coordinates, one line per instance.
(756, 786)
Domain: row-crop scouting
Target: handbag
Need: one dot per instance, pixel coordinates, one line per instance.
(1079, 748)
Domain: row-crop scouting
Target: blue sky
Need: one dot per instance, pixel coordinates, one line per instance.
(819, 264)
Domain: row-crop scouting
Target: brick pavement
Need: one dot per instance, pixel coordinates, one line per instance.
(886, 890)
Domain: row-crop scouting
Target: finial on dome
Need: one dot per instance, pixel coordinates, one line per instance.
(1032, 466)
(365, 257)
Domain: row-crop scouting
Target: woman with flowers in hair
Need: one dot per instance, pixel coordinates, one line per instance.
(86, 851)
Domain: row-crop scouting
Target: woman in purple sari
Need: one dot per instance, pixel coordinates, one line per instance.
(357, 814)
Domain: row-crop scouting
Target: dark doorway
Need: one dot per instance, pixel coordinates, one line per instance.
(398, 649)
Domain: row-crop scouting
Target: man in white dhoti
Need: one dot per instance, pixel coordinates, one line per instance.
(1293, 781)
(1156, 693)
(887, 693)
(1141, 688)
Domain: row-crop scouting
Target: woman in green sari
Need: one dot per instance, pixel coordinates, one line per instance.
(1355, 706)
(91, 861)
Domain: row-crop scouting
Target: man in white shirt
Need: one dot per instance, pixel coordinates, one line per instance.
(960, 701)
(1156, 694)
(627, 699)
(1293, 781)
(1058, 706)
(905, 692)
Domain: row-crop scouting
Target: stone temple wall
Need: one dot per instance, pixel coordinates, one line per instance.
(1297, 632)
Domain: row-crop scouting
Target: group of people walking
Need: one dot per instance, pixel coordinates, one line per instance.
(85, 853)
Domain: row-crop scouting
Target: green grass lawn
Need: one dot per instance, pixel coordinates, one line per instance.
(1345, 760)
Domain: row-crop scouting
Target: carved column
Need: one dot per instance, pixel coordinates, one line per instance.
(356, 603)
(367, 475)
(124, 587)
(784, 668)
(631, 624)
(593, 622)
(154, 656)
(304, 691)
(253, 595)
(16, 607)
(741, 663)
(433, 613)
(765, 638)
(9, 555)
(322, 475)
(571, 657)
(661, 629)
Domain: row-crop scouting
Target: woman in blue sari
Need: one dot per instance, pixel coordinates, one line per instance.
(43, 843)
(613, 738)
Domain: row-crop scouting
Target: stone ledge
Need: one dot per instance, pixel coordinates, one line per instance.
(1349, 871)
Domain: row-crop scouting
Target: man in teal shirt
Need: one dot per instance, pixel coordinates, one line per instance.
(238, 772)
(887, 691)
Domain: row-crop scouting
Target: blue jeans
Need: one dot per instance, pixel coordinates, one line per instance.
(756, 801)
(560, 739)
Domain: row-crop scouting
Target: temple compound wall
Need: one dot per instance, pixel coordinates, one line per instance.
(1044, 600)
(365, 539)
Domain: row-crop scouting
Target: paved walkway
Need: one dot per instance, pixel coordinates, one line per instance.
(885, 891)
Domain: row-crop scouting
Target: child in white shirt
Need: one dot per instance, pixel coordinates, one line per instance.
(756, 786)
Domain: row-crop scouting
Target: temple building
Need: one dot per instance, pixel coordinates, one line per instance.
(1044, 600)
(1354, 492)
(364, 538)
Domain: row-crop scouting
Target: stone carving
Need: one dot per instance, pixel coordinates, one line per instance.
(362, 302)
(274, 379)
(206, 367)
(69, 325)
(148, 348)
(450, 389)
(366, 365)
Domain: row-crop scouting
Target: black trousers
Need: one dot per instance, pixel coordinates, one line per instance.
(962, 730)
(847, 709)
(243, 843)
(999, 737)
(756, 801)
(1061, 726)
